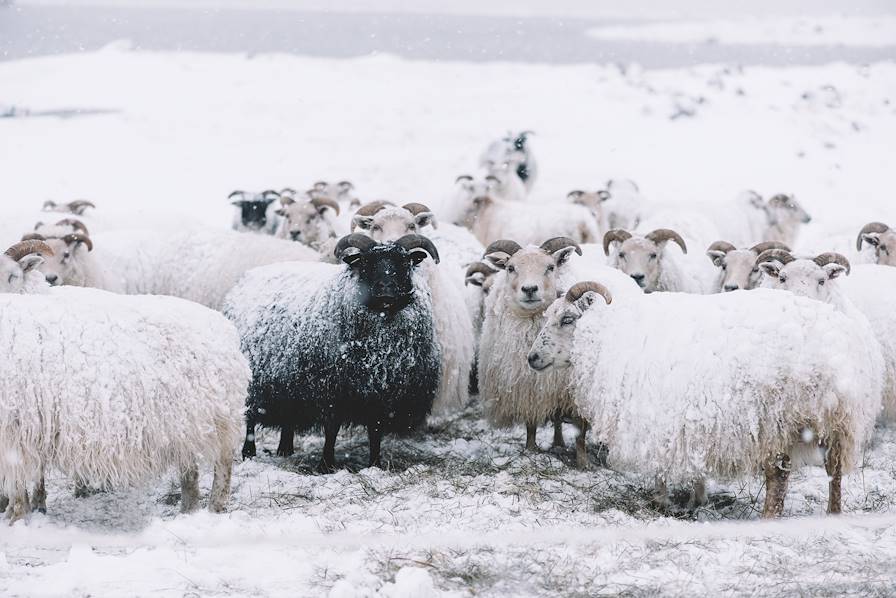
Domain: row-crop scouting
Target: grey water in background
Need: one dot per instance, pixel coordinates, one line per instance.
(35, 30)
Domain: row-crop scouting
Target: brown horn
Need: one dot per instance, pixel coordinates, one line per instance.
(576, 291)
(759, 248)
(79, 205)
(371, 208)
(237, 192)
(723, 246)
(416, 208)
(503, 245)
(74, 223)
(463, 177)
(78, 238)
(345, 184)
(410, 242)
(832, 258)
(319, 202)
(33, 237)
(617, 234)
(555, 244)
(871, 227)
(575, 194)
(665, 234)
(480, 268)
(775, 255)
(356, 240)
(23, 248)
(49, 205)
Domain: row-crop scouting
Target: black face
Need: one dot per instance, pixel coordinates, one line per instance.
(254, 213)
(385, 277)
(519, 143)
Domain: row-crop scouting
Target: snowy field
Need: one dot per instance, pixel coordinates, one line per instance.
(158, 139)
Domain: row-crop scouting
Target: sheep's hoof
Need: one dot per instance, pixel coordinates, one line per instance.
(248, 450)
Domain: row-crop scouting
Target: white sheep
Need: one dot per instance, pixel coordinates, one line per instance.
(624, 206)
(737, 268)
(646, 259)
(383, 222)
(685, 386)
(515, 151)
(112, 390)
(199, 264)
(309, 220)
(72, 262)
(882, 238)
(489, 218)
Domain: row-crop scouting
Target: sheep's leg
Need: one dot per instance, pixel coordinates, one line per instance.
(375, 440)
(249, 444)
(4, 502)
(698, 494)
(286, 448)
(189, 489)
(777, 471)
(833, 464)
(582, 460)
(220, 493)
(661, 494)
(328, 461)
(531, 429)
(19, 506)
(558, 434)
(39, 496)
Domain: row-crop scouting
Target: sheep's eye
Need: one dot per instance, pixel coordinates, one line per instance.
(884, 248)
(821, 282)
(511, 269)
(377, 227)
(567, 320)
(12, 277)
(755, 270)
(412, 227)
(782, 278)
(724, 266)
(551, 268)
(653, 256)
(309, 221)
(65, 255)
(621, 255)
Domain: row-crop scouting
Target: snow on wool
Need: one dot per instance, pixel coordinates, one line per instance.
(682, 386)
(115, 390)
(319, 356)
(199, 264)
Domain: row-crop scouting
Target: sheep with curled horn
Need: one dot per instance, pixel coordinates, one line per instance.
(594, 201)
(335, 346)
(882, 238)
(19, 266)
(775, 397)
(514, 313)
(384, 222)
(737, 268)
(310, 220)
(72, 262)
(644, 258)
(255, 212)
(61, 228)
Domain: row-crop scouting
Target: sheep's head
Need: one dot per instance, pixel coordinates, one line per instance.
(882, 238)
(531, 272)
(61, 228)
(474, 196)
(384, 271)
(308, 218)
(66, 264)
(638, 256)
(591, 200)
(554, 341)
(382, 221)
(737, 267)
(803, 276)
(253, 208)
(783, 210)
(19, 261)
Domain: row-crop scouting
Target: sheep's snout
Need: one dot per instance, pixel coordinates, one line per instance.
(638, 278)
(730, 287)
(537, 362)
(53, 279)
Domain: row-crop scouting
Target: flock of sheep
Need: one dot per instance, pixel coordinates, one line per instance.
(320, 311)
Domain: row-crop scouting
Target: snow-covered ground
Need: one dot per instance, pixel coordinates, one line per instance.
(460, 509)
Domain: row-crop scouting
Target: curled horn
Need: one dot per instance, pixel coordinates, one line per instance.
(617, 234)
(416, 208)
(760, 248)
(372, 207)
(354, 240)
(238, 193)
(775, 255)
(576, 291)
(49, 205)
(480, 268)
(665, 234)
(78, 238)
(345, 185)
(575, 194)
(23, 248)
(463, 177)
(503, 245)
(320, 185)
(723, 246)
(555, 244)
(79, 205)
(319, 202)
(832, 258)
(871, 227)
(74, 223)
(33, 237)
(410, 242)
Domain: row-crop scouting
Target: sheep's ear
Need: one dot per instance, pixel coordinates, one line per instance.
(498, 259)
(872, 239)
(603, 195)
(280, 212)
(37, 225)
(362, 222)
(351, 255)
(475, 279)
(323, 209)
(425, 219)
(834, 270)
(716, 257)
(418, 255)
(561, 256)
(238, 202)
(757, 202)
(30, 262)
(772, 269)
